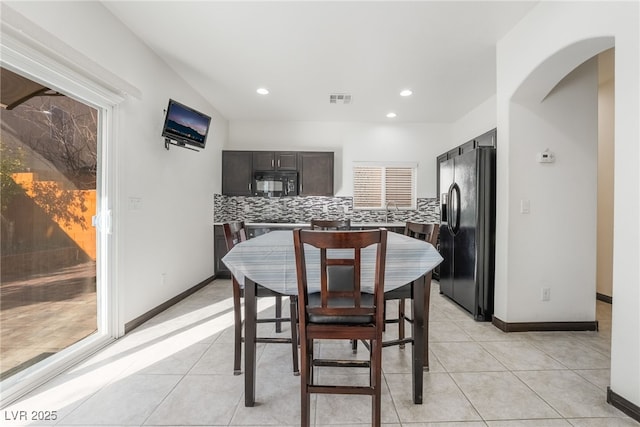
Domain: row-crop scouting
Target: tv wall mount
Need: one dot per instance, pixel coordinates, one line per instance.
(168, 142)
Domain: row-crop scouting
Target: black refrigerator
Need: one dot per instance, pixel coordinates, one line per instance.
(467, 229)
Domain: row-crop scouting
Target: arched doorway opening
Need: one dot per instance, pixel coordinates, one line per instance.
(553, 246)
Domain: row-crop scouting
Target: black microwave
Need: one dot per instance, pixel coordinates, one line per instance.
(275, 184)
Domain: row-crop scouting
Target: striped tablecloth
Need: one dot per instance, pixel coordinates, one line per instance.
(269, 260)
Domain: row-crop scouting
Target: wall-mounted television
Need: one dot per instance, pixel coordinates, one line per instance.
(185, 125)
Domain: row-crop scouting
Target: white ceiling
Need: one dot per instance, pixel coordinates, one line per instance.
(303, 51)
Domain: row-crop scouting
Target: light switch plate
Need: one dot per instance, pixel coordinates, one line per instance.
(135, 203)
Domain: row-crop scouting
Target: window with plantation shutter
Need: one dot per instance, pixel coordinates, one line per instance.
(374, 185)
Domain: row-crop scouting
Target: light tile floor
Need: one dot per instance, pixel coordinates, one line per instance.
(176, 370)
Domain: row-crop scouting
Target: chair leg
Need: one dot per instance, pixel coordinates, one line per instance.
(293, 310)
(237, 330)
(401, 319)
(376, 381)
(306, 357)
(278, 314)
(427, 304)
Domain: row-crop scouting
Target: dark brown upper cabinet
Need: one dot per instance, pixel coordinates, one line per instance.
(315, 170)
(275, 161)
(486, 139)
(315, 173)
(237, 173)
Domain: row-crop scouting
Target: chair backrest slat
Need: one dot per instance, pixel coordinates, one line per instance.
(426, 232)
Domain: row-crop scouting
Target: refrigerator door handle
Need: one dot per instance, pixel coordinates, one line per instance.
(454, 209)
(450, 209)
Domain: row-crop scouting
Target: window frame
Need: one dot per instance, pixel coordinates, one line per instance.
(383, 196)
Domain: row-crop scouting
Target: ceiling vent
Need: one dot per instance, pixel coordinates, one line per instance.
(339, 98)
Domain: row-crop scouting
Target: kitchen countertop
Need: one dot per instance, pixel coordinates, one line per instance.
(378, 224)
(296, 225)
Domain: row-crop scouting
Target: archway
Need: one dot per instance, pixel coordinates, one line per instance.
(552, 248)
(565, 35)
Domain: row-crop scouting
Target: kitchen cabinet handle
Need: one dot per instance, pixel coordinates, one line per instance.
(278, 162)
(271, 162)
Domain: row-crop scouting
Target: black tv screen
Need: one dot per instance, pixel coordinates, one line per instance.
(185, 125)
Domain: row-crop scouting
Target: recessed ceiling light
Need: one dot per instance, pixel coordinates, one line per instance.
(406, 92)
(391, 115)
(263, 91)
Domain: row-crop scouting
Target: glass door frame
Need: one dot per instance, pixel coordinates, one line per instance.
(26, 55)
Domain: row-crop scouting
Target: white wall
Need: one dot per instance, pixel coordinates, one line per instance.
(476, 122)
(606, 168)
(559, 49)
(172, 232)
(417, 142)
(554, 246)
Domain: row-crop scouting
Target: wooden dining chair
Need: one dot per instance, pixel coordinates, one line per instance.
(339, 276)
(331, 224)
(428, 233)
(234, 233)
(339, 315)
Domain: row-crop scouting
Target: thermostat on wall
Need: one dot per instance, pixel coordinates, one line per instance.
(546, 157)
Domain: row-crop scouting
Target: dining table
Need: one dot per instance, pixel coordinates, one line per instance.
(269, 261)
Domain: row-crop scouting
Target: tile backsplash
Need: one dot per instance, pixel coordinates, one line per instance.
(303, 209)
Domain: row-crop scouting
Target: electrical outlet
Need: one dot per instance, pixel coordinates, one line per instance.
(325, 208)
(546, 294)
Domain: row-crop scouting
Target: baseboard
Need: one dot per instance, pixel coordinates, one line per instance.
(543, 326)
(129, 326)
(617, 401)
(604, 298)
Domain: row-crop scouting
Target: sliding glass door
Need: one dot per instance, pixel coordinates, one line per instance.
(48, 278)
(50, 286)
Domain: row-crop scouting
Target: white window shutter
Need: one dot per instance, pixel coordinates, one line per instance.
(399, 185)
(367, 187)
(375, 185)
